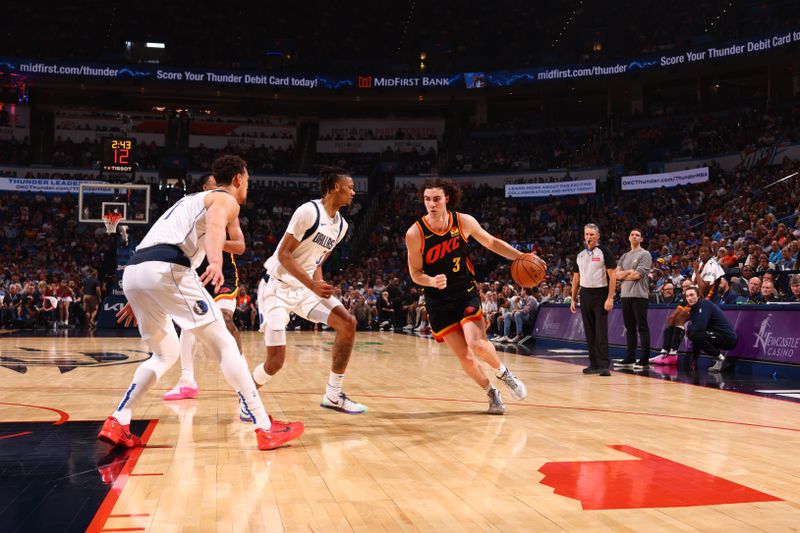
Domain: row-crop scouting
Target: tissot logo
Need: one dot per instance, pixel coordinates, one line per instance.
(365, 82)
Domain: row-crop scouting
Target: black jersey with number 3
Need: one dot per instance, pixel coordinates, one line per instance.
(446, 253)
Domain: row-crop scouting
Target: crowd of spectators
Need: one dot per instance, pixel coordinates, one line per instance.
(410, 162)
(519, 147)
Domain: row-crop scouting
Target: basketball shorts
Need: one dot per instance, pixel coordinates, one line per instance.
(160, 293)
(225, 298)
(277, 299)
(450, 315)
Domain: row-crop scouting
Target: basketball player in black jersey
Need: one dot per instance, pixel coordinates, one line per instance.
(224, 297)
(438, 260)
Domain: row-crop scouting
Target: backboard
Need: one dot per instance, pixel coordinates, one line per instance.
(98, 199)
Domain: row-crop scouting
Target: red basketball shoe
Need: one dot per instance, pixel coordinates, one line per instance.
(116, 434)
(279, 434)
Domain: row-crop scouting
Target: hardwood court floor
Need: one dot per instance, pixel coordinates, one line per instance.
(425, 457)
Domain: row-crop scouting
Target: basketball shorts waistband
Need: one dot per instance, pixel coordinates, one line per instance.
(167, 253)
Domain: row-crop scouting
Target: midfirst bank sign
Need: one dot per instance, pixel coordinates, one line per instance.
(369, 82)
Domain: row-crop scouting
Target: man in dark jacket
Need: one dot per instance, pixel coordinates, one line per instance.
(710, 331)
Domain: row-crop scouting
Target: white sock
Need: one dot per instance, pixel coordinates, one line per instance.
(488, 387)
(334, 386)
(673, 352)
(143, 380)
(260, 375)
(236, 373)
(187, 377)
(500, 370)
(662, 352)
(188, 344)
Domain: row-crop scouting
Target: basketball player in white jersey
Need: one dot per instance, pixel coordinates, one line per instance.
(162, 286)
(225, 300)
(294, 284)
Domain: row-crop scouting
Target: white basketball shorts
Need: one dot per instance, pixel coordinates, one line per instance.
(161, 292)
(277, 299)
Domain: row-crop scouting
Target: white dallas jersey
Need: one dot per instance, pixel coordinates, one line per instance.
(314, 245)
(184, 225)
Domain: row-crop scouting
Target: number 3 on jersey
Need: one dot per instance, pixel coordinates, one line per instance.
(456, 264)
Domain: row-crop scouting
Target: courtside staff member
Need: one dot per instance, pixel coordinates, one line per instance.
(597, 280)
(634, 266)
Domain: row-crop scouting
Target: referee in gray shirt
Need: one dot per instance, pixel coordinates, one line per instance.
(632, 271)
(596, 279)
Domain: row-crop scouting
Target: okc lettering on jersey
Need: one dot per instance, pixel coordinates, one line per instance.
(442, 249)
(324, 241)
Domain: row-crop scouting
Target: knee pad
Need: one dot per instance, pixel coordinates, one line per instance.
(165, 352)
(274, 337)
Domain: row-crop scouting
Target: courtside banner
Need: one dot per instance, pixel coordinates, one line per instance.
(767, 333)
(366, 81)
(665, 179)
(559, 188)
(46, 186)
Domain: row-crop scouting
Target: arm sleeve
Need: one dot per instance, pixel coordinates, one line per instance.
(531, 304)
(645, 265)
(575, 268)
(302, 219)
(611, 261)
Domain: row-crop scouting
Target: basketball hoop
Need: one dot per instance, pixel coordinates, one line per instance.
(111, 220)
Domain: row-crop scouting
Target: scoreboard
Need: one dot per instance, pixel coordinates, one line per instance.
(118, 155)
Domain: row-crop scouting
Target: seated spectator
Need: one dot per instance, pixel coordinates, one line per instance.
(385, 311)
(727, 257)
(11, 301)
(754, 291)
(794, 285)
(362, 312)
(422, 315)
(526, 309)
(410, 302)
(768, 292)
(666, 295)
(545, 293)
(725, 294)
(245, 312)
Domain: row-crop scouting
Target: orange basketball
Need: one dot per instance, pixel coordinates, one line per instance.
(528, 270)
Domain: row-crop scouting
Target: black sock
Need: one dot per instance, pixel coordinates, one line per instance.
(668, 338)
(677, 338)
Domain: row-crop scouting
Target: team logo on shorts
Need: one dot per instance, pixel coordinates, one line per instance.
(200, 307)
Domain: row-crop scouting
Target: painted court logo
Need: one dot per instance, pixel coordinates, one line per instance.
(20, 359)
(200, 307)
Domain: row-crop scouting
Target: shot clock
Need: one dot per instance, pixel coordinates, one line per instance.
(118, 154)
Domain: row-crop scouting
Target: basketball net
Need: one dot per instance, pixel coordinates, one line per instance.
(111, 220)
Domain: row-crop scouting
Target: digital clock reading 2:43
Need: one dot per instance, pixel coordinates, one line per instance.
(118, 154)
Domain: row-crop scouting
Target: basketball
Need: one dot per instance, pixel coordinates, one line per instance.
(528, 270)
